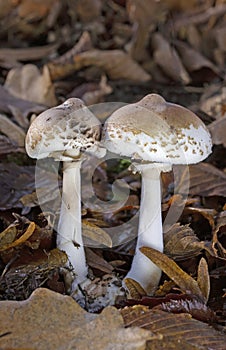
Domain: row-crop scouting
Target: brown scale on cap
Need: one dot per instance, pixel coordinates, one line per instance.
(62, 129)
(180, 136)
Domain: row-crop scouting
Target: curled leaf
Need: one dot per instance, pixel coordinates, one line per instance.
(203, 279)
(186, 283)
(167, 58)
(29, 231)
(134, 288)
(95, 235)
(30, 84)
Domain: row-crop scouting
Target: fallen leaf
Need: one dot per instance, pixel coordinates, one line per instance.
(219, 234)
(177, 303)
(9, 102)
(115, 63)
(213, 101)
(134, 288)
(8, 235)
(53, 321)
(218, 131)
(15, 134)
(26, 272)
(144, 15)
(177, 331)
(96, 96)
(186, 283)
(29, 84)
(180, 242)
(199, 67)
(97, 262)
(199, 17)
(88, 10)
(28, 53)
(17, 181)
(167, 58)
(107, 332)
(203, 279)
(207, 180)
(63, 65)
(29, 231)
(94, 235)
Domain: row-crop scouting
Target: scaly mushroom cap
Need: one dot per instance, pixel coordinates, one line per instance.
(63, 132)
(157, 131)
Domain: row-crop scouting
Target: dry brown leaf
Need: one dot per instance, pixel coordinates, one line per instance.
(8, 235)
(186, 283)
(219, 234)
(198, 18)
(15, 134)
(180, 242)
(25, 272)
(28, 53)
(199, 67)
(6, 146)
(134, 288)
(29, 84)
(166, 57)
(179, 332)
(207, 180)
(24, 16)
(143, 15)
(203, 279)
(88, 10)
(115, 63)
(107, 332)
(10, 103)
(218, 131)
(96, 96)
(22, 180)
(27, 234)
(94, 235)
(63, 65)
(213, 101)
(208, 214)
(97, 262)
(53, 321)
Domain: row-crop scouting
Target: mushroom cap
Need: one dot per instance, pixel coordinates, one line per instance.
(63, 132)
(154, 130)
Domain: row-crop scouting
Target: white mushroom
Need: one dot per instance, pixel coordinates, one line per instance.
(155, 134)
(65, 132)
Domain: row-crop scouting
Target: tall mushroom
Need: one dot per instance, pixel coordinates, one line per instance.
(65, 132)
(155, 134)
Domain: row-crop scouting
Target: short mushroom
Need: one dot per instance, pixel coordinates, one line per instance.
(155, 134)
(65, 132)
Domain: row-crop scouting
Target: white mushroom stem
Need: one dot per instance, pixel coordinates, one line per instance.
(150, 234)
(69, 237)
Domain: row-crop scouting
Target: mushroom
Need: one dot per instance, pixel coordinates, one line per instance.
(65, 132)
(155, 134)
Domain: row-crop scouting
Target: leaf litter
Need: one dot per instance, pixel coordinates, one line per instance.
(112, 51)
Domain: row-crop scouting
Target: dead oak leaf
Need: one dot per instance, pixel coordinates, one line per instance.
(218, 131)
(115, 63)
(49, 320)
(179, 332)
(107, 332)
(30, 84)
(167, 58)
(207, 180)
(199, 67)
(186, 283)
(15, 133)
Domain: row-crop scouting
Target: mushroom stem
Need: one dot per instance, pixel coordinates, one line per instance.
(150, 234)
(69, 238)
